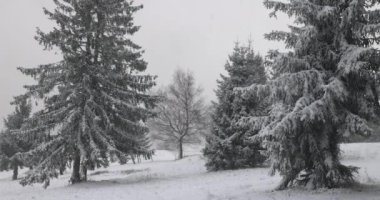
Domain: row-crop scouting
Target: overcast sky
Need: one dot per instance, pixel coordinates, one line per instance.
(191, 34)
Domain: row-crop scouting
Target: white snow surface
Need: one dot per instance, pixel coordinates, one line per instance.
(169, 179)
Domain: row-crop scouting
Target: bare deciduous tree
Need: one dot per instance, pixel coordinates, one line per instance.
(181, 114)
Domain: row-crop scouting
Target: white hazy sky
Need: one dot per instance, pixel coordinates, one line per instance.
(191, 34)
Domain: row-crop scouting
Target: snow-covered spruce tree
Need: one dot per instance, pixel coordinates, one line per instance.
(323, 90)
(227, 146)
(11, 144)
(95, 102)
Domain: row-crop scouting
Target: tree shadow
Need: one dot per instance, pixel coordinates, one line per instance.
(124, 179)
(355, 191)
(361, 187)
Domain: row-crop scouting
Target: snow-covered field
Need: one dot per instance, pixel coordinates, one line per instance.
(164, 178)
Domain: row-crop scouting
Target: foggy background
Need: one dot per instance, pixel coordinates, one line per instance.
(190, 34)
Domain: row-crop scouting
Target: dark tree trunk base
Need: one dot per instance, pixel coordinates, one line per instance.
(62, 169)
(285, 182)
(133, 159)
(15, 172)
(83, 172)
(180, 150)
(75, 176)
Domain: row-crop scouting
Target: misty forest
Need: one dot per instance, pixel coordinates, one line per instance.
(297, 122)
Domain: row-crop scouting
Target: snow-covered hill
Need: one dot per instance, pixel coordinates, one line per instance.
(164, 178)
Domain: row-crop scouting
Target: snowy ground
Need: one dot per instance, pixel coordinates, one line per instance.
(164, 178)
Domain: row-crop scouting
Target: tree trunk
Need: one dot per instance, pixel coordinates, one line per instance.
(180, 149)
(15, 171)
(83, 172)
(75, 176)
(62, 169)
(133, 159)
(286, 180)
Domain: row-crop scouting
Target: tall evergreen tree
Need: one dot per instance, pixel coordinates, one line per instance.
(227, 146)
(11, 144)
(323, 90)
(95, 101)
